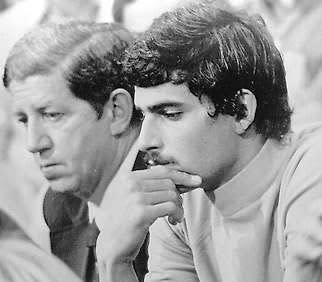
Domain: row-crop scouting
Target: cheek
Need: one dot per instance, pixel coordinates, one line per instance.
(78, 152)
(191, 144)
(199, 155)
(91, 153)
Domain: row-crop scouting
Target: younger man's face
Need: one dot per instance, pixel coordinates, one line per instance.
(178, 129)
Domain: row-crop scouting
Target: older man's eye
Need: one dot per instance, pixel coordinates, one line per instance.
(53, 116)
(22, 120)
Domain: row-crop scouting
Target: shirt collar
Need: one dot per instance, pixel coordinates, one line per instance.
(252, 181)
(125, 168)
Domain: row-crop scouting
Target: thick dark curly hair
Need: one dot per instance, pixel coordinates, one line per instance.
(87, 54)
(216, 52)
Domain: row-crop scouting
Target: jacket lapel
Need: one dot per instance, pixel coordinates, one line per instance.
(67, 219)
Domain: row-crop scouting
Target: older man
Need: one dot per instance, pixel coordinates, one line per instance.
(70, 94)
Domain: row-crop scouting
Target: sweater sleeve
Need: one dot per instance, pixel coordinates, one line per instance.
(170, 258)
(301, 186)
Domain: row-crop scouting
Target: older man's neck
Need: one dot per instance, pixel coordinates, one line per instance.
(123, 147)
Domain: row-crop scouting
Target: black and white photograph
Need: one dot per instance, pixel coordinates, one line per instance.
(161, 140)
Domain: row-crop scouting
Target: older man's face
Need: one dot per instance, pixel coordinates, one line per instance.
(70, 144)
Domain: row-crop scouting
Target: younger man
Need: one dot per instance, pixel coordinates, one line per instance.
(212, 90)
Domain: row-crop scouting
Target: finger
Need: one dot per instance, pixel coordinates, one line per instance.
(150, 185)
(185, 180)
(165, 209)
(178, 177)
(153, 185)
(158, 197)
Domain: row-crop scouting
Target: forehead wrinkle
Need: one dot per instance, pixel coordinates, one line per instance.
(39, 103)
(27, 91)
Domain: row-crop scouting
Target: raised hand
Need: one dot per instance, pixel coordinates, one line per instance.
(141, 198)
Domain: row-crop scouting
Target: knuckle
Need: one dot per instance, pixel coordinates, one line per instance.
(172, 195)
(171, 184)
(168, 183)
(172, 207)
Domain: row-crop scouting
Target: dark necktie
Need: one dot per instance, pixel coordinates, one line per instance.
(92, 271)
(72, 237)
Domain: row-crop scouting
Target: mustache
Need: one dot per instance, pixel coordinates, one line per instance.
(154, 158)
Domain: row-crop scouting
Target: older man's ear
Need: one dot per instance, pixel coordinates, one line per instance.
(120, 110)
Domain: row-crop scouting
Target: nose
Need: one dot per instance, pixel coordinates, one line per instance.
(38, 139)
(149, 138)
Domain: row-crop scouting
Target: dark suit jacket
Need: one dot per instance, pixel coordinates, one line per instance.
(72, 237)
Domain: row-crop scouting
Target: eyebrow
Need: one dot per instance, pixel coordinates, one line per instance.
(161, 106)
(18, 114)
(40, 109)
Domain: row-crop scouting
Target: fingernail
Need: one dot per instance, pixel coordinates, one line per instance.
(172, 221)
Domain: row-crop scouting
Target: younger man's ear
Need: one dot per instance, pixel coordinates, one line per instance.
(120, 111)
(249, 100)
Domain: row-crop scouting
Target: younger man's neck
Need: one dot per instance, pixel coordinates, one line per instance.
(248, 149)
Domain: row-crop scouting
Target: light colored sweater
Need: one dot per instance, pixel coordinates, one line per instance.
(243, 231)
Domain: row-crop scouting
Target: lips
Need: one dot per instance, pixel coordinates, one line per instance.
(50, 170)
(46, 165)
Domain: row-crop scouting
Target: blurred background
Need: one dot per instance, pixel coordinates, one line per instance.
(296, 26)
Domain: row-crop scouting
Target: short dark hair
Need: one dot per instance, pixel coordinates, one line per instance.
(87, 54)
(217, 52)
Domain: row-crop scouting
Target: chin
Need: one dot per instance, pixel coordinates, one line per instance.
(62, 186)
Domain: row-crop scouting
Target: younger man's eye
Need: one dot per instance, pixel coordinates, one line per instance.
(140, 115)
(172, 115)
